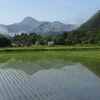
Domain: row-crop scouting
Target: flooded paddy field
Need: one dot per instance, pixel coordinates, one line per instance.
(47, 80)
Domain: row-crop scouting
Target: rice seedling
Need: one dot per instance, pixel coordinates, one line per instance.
(50, 75)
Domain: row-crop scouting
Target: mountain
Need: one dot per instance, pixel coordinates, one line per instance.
(53, 28)
(25, 25)
(91, 30)
(29, 21)
(92, 24)
(43, 28)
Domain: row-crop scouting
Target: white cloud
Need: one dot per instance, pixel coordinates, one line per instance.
(81, 20)
(76, 20)
(3, 31)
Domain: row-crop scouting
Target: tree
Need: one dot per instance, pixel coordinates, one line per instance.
(39, 37)
(32, 40)
(4, 41)
(24, 37)
(65, 35)
(59, 40)
(41, 41)
(68, 42)
(75, 36)
(16, 38)
(47, 38)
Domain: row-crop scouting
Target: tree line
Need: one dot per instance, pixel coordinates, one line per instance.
(78, 37)
(67, 38)
(31, 39)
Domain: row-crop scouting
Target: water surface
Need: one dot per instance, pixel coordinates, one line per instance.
(47, 80)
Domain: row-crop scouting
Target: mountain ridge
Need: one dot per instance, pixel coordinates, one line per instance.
(29, 24)
(53, 28)
(91, 24)
(29, 21)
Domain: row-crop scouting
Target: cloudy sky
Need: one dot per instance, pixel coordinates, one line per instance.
(66, 11)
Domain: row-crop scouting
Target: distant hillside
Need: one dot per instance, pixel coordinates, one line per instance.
(92, 24)
(53, 28)
(25, 25)
(91, 30)
(44, 28)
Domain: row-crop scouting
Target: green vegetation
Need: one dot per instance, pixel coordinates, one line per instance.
(92, 24)
(89, 56)
(50, 48)
(4, 41)
(27, 39)
(67, 38)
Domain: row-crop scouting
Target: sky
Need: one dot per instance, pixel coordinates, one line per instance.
(66, 11)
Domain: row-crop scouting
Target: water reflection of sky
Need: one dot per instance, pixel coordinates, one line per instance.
(72, 82)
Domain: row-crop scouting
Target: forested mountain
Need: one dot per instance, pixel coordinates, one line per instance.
(91, 28)
(87, 33)
(92, 24)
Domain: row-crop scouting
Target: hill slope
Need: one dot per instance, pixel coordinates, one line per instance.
(91, 29)
(25, 25)
(53, 29)
(92, 24)
(30, 24)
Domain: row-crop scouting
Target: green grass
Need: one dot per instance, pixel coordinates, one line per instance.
(89, 56)
(50, 48)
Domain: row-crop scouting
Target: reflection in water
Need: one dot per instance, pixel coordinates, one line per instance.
(72, 82)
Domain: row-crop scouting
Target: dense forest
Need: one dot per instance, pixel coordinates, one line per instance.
(67, 38)
(28, 39)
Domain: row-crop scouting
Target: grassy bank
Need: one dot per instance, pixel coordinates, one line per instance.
(50, 48)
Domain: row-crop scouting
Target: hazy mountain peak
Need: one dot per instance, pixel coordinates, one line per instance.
(57, 22)
(29, 21)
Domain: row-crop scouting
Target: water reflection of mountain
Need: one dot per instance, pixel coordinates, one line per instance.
(32, 67)
(72, 82)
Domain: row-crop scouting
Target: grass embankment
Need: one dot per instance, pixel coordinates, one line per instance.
(87, 55)
(50, 48)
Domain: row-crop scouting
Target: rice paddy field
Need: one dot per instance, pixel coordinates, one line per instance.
(50, 73)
